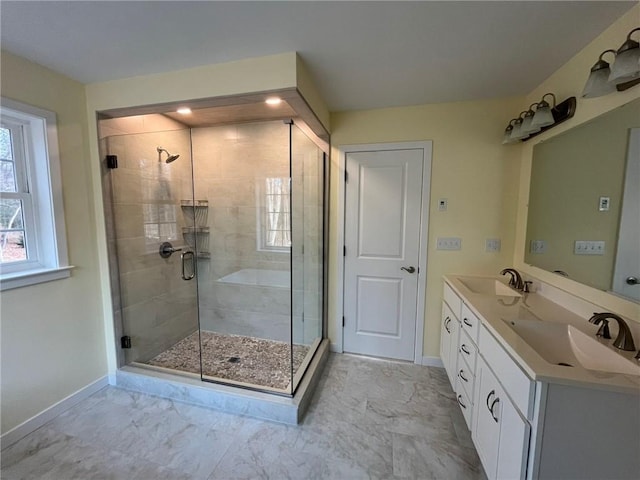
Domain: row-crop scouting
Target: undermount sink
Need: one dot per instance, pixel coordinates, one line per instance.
(487, 286)
(562, 344)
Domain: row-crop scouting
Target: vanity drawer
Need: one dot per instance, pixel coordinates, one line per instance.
(470, 323)
(467, 351)
(465, 403)
(516, 383)
(452, 299)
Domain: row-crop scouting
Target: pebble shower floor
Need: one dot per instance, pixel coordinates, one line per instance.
(257, 361)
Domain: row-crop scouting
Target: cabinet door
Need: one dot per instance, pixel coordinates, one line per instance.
(499, 432)
(449, 343)
(486, 430)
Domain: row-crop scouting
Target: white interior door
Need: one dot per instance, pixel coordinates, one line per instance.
(382, 239)
(627, 265)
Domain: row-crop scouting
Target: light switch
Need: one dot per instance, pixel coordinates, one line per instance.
(538, 246)
(492, 245)
(449, 243)
(588, 247)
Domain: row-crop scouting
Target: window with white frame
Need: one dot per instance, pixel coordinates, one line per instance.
(274, 221)
(32, 231)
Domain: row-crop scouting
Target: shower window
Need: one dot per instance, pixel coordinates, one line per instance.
(274, 229)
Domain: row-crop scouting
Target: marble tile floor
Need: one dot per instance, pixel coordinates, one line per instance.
(369, 419)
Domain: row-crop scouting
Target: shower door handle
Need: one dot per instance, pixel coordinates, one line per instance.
(183, 256)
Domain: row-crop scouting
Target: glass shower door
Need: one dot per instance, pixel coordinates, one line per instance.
(150, 221)
(307, 255)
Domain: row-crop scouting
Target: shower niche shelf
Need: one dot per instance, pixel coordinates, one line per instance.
(197, 236)
(195, 212)
(198, 239)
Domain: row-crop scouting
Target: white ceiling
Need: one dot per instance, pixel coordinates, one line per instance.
(361, 54)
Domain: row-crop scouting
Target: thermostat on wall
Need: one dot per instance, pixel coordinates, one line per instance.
(603, 204)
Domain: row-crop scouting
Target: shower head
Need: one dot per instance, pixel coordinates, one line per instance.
(170, 158)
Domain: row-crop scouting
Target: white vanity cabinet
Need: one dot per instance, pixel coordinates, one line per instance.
(529, 419)
(459, 351)
(499, 432)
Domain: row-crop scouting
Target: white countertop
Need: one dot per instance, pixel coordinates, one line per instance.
(493, 311)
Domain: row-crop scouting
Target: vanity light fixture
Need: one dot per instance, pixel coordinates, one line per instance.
(543, 116)
(623, 74)
(598, 83)
(273, 101)
(626, 67)
(517, 133)
(506, 139)
(532, 122)
(528, 119)
(184, 110)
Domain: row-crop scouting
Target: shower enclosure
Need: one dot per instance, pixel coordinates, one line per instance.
(216, 235)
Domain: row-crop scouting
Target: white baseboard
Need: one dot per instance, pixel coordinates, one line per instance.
(335, 348)
(35, 422)
(432, 362)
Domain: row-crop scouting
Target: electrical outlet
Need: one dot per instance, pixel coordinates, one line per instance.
(492, 245)
(538, 246)
(442, 205)
(449, 243)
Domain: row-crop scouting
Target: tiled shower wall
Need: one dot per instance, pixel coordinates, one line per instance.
(142, 198)
(230, 164)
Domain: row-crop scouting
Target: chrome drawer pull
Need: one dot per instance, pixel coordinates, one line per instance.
(463, 347)
(467, 323)
(460, 402)
(460, 374)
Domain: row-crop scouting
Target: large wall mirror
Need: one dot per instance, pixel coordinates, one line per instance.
(584, 203)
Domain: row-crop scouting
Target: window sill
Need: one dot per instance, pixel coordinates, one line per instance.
(10, 281)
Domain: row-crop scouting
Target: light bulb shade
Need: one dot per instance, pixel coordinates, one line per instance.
(527, 128)
(626, 67)
(506, 140)
(517, 133)
(598, 84)
(543, 116)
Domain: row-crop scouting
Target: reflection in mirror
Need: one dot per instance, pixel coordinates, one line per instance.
(582, 213)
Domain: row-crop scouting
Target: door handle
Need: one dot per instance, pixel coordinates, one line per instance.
(408, 269)
(183, 257)
(632, 280)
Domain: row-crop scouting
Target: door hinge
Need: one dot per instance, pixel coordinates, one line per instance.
(343, 321)
(112, 161)
(344, 250)
(125, 341)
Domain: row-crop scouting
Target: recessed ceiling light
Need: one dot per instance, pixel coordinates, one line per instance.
(273, 101)
(184, 111)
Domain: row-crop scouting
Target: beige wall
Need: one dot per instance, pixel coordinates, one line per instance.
(569, 81)
(470, 168)
(52, 333)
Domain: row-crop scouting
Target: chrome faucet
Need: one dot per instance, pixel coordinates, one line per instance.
(624, 340)
(516, 280)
